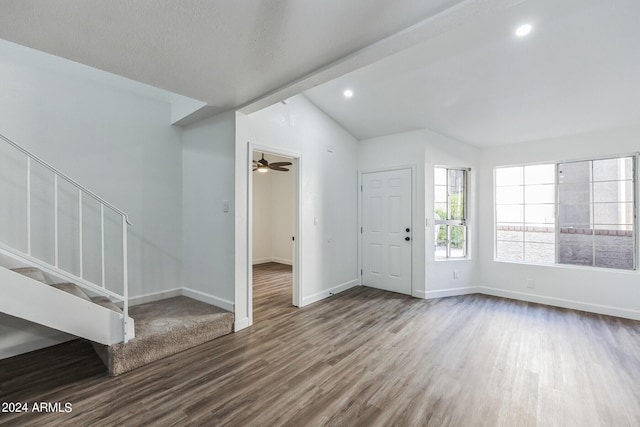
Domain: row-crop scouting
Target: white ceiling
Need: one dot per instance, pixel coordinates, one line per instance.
(578, 71)
(225, 53)
(453, 66)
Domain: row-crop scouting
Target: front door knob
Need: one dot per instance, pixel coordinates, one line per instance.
(407, 229)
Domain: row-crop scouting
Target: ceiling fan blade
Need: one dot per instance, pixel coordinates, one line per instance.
(255, 161)
(255, 169)
(281, 164)
(278, 168)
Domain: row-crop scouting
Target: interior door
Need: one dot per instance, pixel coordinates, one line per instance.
(387, 230)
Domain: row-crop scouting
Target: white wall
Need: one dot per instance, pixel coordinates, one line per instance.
(208, 181)
(273, 213)
(424, 149)
(591, 289)
(329, 190)
(118, 144)
(262, 218)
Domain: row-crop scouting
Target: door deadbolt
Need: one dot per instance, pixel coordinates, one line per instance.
(407, 238)
(407, 229)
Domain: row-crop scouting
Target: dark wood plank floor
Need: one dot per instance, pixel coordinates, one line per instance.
(363, 357)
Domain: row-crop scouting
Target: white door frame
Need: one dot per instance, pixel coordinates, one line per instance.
(414, 213)
(297, 160)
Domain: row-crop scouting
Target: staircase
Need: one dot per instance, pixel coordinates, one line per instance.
(58, 283)
(63, 251)
(63, 306)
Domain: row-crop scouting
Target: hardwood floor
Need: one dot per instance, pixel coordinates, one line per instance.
(363, 357)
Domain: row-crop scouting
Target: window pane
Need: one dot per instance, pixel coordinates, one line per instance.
(509, 232)
(613, 169)
(539, 252)
(458, 241)
(440, 194)
(440, 239)
(574, 193)
(613, 191)
(509, 195)
(539, 193)
(539, 174)
(613, 213)
(456, 194)
(509, 251)
(539, 214)
(575, 248)
(440, 211)
(509, 176)
(540, 235)
(573, 172)
(614, 251)
(509, 213)
(574, 215)
(440, 176)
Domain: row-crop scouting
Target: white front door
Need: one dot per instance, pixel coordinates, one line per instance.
(387, 230)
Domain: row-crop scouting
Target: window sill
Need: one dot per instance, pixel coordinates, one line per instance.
(570, 267)
(452, 259)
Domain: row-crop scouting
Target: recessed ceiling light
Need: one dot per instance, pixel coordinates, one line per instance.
(523, 30)
(348, 93)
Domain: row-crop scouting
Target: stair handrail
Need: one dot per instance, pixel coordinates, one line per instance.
(103, 203)
(62, 175)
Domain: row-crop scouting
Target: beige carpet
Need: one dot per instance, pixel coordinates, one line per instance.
(164, 328)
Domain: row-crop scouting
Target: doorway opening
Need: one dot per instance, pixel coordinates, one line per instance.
(273, 234)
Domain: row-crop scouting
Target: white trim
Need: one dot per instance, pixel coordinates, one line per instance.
(209, 299)
(240, 324)
(329, 292)
(36, 344)
(154, 296)
(560, 302)
(442, 293)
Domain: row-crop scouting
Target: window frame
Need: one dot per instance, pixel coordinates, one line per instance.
(635, 160)
(453, 222)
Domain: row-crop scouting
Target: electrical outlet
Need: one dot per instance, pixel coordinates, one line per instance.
(531, 284)
(455, 274)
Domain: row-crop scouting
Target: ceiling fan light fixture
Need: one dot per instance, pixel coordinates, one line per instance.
(262, 168)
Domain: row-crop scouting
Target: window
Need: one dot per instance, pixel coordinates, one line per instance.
(450, 213)
(577, 213)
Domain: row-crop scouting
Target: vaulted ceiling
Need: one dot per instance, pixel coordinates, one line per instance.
(577, 71)
(453, 66)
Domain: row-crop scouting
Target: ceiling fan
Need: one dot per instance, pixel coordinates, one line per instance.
(263, 166)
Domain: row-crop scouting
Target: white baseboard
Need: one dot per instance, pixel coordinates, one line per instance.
(240, 324)
(266, 260)
(35, 344)
(447, 292)
(329, 292)
(154, 296)
(209, 299)
(560, 302)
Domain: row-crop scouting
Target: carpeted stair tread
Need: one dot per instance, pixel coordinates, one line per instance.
(164, 328)
(31, 272)
(73, 289)
(107, 303)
